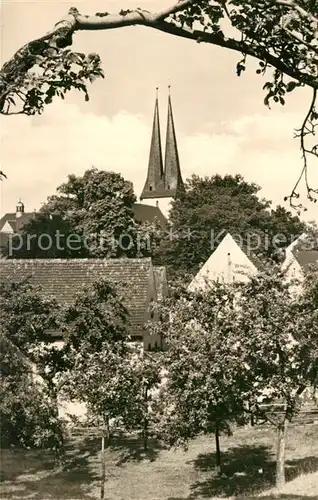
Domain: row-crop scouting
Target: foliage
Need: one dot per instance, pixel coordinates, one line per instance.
(34, 371)
(203, 392)
(28, 417)
(110, 375)
(281, 34)
(54, 73)
(213, 206)
(28, 414)
(116, 384)
(235, 350)
(145, 378)
(26, 315)
(90, 216)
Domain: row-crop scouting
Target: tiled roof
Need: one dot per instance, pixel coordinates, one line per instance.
(147, 213)
(63, 278)
(306, 257)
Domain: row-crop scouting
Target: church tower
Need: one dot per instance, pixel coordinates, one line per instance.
(163, 184)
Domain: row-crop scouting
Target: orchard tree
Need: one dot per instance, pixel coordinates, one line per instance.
(145, 379)
(278, 343)
(213, 206)
(204, 391)
(281, 34)
(115, 383)
(239, 350)
(90, 216)
(29, 414)
(95, 320)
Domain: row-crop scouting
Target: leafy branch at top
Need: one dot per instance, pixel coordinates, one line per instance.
(281, 34)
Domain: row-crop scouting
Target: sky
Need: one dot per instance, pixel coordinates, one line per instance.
(221, 122)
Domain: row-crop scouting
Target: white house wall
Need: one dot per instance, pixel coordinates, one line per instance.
(228, 263)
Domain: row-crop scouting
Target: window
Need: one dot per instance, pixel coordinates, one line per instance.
(149, 347)
(150, 188)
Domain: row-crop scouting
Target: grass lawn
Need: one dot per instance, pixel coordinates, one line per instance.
(248, 460)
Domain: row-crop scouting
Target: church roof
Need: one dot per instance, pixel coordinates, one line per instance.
(148, 213)
(163, 182)
(154, 185)
(172, 172)
(63, 278)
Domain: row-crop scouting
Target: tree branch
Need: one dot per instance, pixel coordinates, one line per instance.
(61, 36)
(308, 128)
(293, 5)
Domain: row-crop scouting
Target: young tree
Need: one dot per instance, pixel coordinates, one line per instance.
(204, 391)
(278, 343)
(236, 350)
(280, 34)
(145, 378)
(213, 206)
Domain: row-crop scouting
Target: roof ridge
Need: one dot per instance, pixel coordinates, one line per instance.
(85, 259)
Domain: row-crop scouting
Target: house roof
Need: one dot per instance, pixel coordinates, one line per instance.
(229, 262)
(256, 261)
(63, 278)
(142, 213)
(306, 258)
(16, 223)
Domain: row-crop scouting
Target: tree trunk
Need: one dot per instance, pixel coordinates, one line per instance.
(145, 435)
(217, 451)
(145, 429)
(280, 459)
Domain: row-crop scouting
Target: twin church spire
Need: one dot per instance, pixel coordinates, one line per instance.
(163, 181)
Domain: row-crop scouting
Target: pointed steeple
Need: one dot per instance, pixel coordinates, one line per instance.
(154, 184)
(172, 172)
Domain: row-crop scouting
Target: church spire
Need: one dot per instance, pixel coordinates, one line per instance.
(172, 171)
(154, 184)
